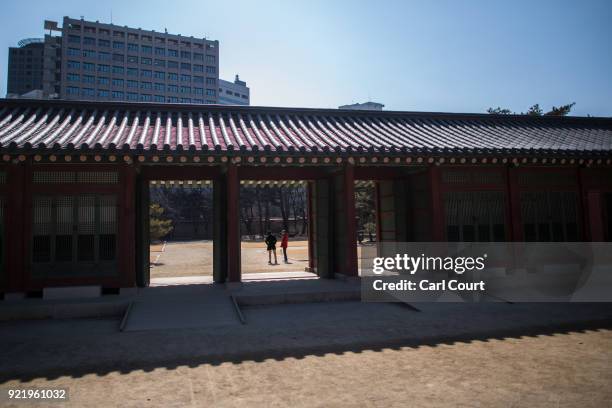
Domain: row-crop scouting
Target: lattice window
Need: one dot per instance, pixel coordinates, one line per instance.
(97, 177)
(71, 177)
(475, 177)
(546, 179)
(550, 216)
(477, 216)
(74, 234)
(2, 177)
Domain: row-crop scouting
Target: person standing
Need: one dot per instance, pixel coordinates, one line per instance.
(284, 244)
(271, 245)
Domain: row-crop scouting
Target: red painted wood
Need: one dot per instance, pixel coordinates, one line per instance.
(15, 215)
(514, 204)
(282, 173)
(437, 209)
(350, 261)
(309, 197)
(127, 226)
(164, 172)
(233, 225)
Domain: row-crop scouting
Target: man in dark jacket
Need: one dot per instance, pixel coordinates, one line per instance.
(271, 245)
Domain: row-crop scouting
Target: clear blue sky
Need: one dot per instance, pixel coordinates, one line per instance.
(457, 56)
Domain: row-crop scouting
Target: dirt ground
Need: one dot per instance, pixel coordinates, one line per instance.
(561, 370)
(194, 258)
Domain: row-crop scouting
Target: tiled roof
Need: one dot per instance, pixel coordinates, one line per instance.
(36, 125)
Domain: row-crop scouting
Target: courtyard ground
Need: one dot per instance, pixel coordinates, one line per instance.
(343, 354)
(194, 258)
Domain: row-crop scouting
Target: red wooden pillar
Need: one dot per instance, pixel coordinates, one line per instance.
(16, 214)
(514, 205)
(128, 227)
(350, 261)
(233, 224)
(437, 212)
(311, 238)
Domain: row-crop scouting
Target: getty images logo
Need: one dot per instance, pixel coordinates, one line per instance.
(412, 264)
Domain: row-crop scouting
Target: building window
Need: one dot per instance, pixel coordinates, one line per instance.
(173, 53)
(88, 92)
(72, 90)
(146, 49)
(145, 98)
(131, 96)
(104, 56)
(89, 53)
(172, 64)
(198, 56)
(159, 98)
(210, 59)
(103, 31)
(132, 47)
(172, 88)
(103, 68)
(210, 101)
(103, 81)
(118, 70)
(160, 51)
(185, 78)
(198, 91)
(145, 61)
(132, 36)
(211, 70)
(74, 234)
(160, 87)
(132, 84)
(146, 73)
(102, 93)
(89, 79)
(132, 59)
(198, 68)
(475, 216)
(74, 27)
(185, 100)
(211, 81)
(73, 52)
(550, 216)
(90, 29)
(185, 54)
(244, 96)
(172, 99)
(103, 43)
(160, 40)
(186, 66)
(118, 45)
(197, 100)
(74, 39)
(89, 66)
(118, 82)
(145, 37)
(211, 92)
(118, 57)
(132, 72)
(160, 75)
(198, 79)
(185, 89)
(146, 85)
(117, 95)
(172, 76)
(118, 34)
(159, 63)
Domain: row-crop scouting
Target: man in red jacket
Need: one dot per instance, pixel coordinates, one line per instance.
(284, 243)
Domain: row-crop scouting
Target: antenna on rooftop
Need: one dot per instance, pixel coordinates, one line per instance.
(111, 16)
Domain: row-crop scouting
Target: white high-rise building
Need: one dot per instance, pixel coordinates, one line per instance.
(234, 93)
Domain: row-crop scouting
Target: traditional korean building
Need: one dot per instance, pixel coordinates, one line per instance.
(74, 181)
